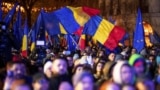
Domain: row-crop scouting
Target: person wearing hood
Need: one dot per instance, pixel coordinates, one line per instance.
(123, 73)
(139, 65)
(47, 69)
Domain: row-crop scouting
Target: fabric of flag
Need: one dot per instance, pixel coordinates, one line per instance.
(63, 41)
(126, 36)
(104, 32)
(24, 41)
(139, 40)
(52, 24)
(10, 14)
(71, 44)
(82, 42)
(1, 12)
(33, 40)
(35, 31)
(18, 32)
(39, 24)
(73, 19)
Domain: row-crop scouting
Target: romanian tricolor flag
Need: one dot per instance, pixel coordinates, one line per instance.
(82, 42)
(74, 19)
(33, 40)
(24, 41)
(103, 31)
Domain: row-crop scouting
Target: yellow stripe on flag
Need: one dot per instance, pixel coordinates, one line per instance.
(24, 44)
(33, 46)
(103, 31)
(79, 15)
(63, 31)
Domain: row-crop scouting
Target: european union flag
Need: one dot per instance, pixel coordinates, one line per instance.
(8, 18)
(139, 40)
(39, 27)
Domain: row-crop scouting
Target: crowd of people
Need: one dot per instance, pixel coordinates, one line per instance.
(89, 69)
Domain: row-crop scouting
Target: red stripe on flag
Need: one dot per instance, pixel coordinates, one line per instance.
(24, 53)
(79, 31)
(114, 37)
(82, 42)
(91, 11)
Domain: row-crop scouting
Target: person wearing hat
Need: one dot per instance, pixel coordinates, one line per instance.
(139, 64)
(123, 73)
(47, 69)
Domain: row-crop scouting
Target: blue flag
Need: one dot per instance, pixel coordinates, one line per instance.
(26, 29)
(39, 27)
(18, 33)
(10, 14)
(66, 17)
(70, 42)
(139, 40)
(51, 23)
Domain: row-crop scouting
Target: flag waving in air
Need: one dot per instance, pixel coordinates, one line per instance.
(10, 14)
(82, 42)
(104, 32)
(24, 41)
(73, 19)
(138, 39)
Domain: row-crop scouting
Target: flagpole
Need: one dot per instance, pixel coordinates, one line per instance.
(73, 40)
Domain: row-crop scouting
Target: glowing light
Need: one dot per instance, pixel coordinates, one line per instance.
(8, 6)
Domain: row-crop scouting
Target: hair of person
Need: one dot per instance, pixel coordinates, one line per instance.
(78, 77)
(95, 66)
(63, 58)
(39, 76)
(151, 56)
(87, 68)
(75, 68)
